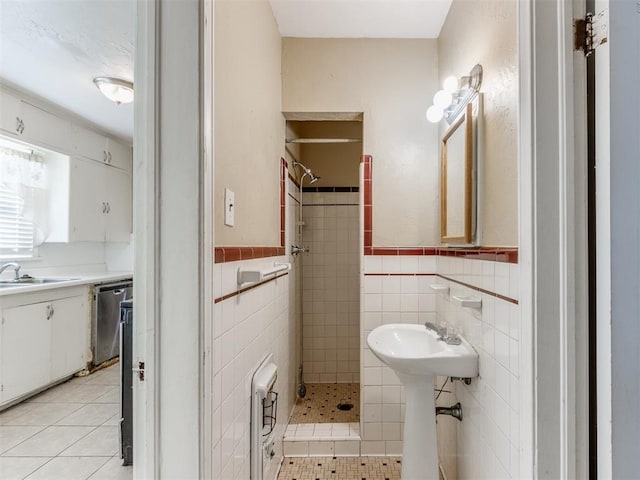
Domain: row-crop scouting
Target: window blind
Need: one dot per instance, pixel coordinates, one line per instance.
(16, 232)
(22, 178)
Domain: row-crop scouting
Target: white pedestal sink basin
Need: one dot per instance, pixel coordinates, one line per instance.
(417, 356)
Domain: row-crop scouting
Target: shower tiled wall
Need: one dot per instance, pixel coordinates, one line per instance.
(330, 286)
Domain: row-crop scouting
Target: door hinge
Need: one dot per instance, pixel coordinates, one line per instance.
(139, 371)
(590, 32)
(1, 388)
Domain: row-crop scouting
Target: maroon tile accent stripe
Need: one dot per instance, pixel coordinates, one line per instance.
(404, 251)
(481, 290)
(235, 294)
(494, 254)
(233, 254)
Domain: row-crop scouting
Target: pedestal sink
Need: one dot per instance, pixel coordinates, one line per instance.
(417, 355)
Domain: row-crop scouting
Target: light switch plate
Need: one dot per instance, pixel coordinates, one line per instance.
(229, 208)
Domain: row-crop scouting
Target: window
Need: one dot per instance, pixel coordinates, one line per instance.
(23, 212)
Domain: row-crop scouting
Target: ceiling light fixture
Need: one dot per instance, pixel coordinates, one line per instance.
(115, 89)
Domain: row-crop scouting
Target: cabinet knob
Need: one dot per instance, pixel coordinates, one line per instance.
(109, 153)
(108, 207)
(104, 207)
(104, 156)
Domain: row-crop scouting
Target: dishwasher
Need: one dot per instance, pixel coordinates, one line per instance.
(105, 328)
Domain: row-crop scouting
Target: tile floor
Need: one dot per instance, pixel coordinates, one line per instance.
(68, 432)
(320, 405)
(340, 468)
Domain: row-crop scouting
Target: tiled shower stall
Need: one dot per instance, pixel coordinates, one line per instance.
(330, 283)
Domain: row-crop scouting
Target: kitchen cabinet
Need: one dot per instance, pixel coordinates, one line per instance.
(26, 350)
(97, 147)
(43, 338)
(32, 124)
(9, 114)
(120, 155)
(68, 336)
(45, 129)
(93, 204)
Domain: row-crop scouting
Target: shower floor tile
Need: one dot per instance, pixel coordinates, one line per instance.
(320, 405)
(340, 468)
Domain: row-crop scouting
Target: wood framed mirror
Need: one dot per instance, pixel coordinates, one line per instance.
(458, 183)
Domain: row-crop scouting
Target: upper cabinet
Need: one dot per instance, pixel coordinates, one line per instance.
(22, 120)
(92, 204)
(94, 146)
(32, 124)
(9, 114)
(43, 128)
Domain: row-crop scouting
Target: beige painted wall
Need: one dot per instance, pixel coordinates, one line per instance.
(249, 127)
(485, 32)
(392, 82)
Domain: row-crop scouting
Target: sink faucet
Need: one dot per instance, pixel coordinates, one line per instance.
(449, 339)
(15, 266)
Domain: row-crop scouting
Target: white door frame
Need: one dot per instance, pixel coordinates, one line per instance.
(552, 248)
(170, 264)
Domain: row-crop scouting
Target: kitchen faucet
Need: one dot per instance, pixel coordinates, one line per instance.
(15, 266)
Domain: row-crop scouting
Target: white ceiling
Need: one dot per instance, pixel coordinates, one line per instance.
(54, 49)
(360, 18)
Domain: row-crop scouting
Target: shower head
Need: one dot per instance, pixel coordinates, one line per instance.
(307, 171)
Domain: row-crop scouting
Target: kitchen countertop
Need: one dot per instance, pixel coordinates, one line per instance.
(70, 281)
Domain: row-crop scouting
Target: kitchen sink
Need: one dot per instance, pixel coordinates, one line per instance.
(31, 281)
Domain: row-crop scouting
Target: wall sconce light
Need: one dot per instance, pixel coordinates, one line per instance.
(455, 94)
(115, 89)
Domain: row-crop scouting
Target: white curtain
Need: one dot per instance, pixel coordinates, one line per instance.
(25, 174)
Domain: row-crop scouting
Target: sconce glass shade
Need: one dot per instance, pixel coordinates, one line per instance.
(115, 89)
(435, 114)
(450, 84)
(442, 99)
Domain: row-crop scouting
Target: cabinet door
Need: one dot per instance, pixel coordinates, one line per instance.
(89, 144)
(25, 353)
(119, 202)
(46, 129)
(87, 204)
(69, 336)
(9, 113)
(120, 155)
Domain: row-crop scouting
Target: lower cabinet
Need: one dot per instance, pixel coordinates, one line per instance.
(42, 340)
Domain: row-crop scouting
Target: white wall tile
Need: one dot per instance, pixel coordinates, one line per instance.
(347, 448)
(321, 449)
(409, 264)
(373, 448)
(372, 264)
